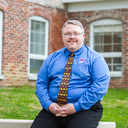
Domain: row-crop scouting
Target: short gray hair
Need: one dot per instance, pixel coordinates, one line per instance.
(75, 22)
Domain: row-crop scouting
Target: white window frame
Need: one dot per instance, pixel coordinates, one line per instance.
(1, 38)
(35, 56)
(115, 54)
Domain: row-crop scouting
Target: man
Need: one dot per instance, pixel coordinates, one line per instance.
(88, 82)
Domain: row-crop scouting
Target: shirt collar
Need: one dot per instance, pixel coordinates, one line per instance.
(67, 52)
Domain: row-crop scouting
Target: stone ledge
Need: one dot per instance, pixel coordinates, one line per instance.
(12, 123)
(107, 125)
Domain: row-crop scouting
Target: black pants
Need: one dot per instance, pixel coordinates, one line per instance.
(82, 119)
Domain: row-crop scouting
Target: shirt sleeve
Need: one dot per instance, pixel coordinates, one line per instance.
(100, 82)
(42, 85)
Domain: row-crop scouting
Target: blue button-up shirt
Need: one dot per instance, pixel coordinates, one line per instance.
(88, 83)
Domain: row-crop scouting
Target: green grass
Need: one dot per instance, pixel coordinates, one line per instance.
(22, 103)
(18, 103)
(115, 105)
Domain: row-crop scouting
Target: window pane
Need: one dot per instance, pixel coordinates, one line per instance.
(107, 48)
(42, 49)
(110, 67)
(108, 60)
(98, 38)
(37, 49)
(107, 28)
(37, 37)
(32, 25)
(35, 65)
(31, 48)
(42, 27)
(37, 26)
(117, 68)
(117, 60)
(117, 48)
(98, 29)
(114, 64)
(117, 28)
(98, 48)
(111, 39)
(108, 38)
(42, 39)
(117, 37)
(32, 36)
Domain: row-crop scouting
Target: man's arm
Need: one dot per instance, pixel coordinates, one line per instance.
(42, 84)
(100, 82)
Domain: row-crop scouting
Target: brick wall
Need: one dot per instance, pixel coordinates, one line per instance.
(15, 37)
(16, 33)
(122, 14)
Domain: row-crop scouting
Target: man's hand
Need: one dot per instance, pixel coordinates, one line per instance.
(53, 108)
(65, 110)
(62, 111)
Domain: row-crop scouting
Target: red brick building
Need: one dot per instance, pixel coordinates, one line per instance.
(31, 29)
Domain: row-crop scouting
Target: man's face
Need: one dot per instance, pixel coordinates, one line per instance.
(72, 37)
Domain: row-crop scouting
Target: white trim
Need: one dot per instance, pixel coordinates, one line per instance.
(73, 1)
(1, 37)
(116, 74)
(32, 77)
(1, 77)
(106, 22)
(38, 57)
(35, 56)
(95, 5)
(108, 54)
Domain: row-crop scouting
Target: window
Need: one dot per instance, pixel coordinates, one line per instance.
(1, 35)
(38, 44)
(106, 38)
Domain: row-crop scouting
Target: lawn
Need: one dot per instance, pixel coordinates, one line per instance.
(18, 103)
(115, 105)
(22, 103)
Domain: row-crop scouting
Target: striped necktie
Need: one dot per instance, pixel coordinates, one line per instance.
(62, 94)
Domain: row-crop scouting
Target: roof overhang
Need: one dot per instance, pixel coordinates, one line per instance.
(75, 1)
(91, 5)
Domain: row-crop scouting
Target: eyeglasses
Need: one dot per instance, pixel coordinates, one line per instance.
(74, 34)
